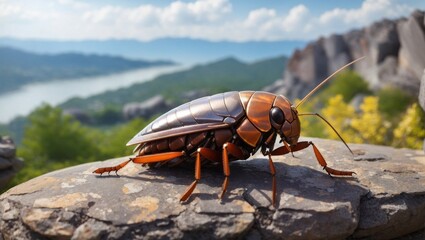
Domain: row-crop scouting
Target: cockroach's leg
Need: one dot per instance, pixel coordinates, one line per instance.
(273, 173)
(289, 149)
(302, 145)
(144, 159)
(234, 150)
(208, 154)
(323, 163)
(109, 169)
(158, 157)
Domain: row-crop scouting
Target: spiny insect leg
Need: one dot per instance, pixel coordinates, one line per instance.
(109, 169)
(208, 154)
(273, 173)
(140, 159)
(234, 150)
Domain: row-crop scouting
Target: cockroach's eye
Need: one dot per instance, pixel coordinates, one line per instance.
(277, 116)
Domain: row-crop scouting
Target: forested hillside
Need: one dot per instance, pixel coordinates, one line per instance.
(224, 75)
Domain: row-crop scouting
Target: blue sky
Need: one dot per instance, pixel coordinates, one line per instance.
(214, 20)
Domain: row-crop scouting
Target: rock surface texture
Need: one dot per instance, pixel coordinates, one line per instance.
(394, 50)
(9, 164)
(386, 199)
(422, 96)
(422, 92)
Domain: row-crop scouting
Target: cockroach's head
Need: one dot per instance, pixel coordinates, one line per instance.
(284, 119)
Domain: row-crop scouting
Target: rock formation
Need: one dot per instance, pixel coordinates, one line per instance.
(157, 105)
(422, 95)
(9, 164)
(146, 109)
(385, 200)
(394, 50)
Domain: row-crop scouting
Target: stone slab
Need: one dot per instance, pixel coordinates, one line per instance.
(386, 199)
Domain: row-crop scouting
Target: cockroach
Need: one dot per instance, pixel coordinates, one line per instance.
(226, 127)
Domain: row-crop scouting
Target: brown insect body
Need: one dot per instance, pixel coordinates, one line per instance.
(222, 128)
(242, 118)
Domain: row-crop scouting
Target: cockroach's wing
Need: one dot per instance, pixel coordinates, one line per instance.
(203, 114)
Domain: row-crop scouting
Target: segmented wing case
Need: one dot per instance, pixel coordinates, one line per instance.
(213, 112)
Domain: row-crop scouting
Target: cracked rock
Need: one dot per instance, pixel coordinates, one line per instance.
(385, 200)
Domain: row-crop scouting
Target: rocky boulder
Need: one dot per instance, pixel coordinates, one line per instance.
(146, 109)
(9, 164)
(385, 200)
(422, 95)
(422, 91)
(394, 50)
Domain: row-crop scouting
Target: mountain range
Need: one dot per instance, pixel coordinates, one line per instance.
(182, 50)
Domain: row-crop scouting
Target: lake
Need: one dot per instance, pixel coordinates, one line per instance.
(28, 97)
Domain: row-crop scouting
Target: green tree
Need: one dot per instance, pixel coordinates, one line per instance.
(53, 141)
(393, 101)
(410, 132)
(56, 137)
(113, 142)
(348, 84)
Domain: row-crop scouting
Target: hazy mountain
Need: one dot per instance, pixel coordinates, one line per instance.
(182, 50)
(19, 67)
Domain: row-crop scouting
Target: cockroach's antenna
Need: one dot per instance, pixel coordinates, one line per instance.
(330, 125)
(324, 81)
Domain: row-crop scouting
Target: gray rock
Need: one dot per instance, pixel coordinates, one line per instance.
(9, 164)
(7, 147)
(383, 40)
(412, 38)
(422, 96)
(146, 109)
(5, 163)
(394, 50)
(306, 68)
(78, 114)
(386, 199)
(422, 91)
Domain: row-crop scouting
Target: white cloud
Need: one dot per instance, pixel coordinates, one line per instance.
(260, 16)
(177, 13)
(369, 11)
(205, 19)
(296, 18)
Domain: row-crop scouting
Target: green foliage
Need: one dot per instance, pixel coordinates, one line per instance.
(4, 130)
(57, 137)
(348, 84)
(113, 142)
(393, 101)
(108, 116)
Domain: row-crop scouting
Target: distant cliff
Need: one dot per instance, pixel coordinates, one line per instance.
(394, 50)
